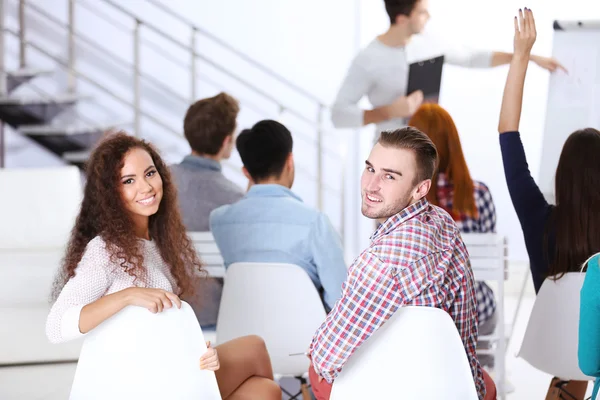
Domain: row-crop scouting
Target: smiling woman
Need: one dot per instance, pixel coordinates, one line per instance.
(129, 248)
(141, 189)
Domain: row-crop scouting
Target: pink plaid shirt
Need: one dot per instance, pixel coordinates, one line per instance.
(416, 258)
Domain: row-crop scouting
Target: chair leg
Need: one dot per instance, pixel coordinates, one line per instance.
(566, 390)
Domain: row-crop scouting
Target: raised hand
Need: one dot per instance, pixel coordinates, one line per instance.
(525, 33)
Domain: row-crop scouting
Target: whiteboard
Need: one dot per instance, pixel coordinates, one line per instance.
(573, 98)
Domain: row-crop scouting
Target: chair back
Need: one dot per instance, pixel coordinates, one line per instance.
(417, 354)
(139, 355)
(206, 247)
(487, 254)
(277, 302)
(552, 334)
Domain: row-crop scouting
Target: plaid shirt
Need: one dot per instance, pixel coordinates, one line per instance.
(484, 223)
(416, 258)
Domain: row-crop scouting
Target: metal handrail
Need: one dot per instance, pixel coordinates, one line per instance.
(237, 52)
(162, 86)
(212, 63)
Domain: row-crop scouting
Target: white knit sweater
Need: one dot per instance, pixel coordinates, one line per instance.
(96, 276)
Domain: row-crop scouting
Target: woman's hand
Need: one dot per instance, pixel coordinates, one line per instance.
(155, 300)
(525, 33)
(209, 361)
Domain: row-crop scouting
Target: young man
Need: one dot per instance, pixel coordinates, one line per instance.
(209, 126)
(380, 70)
(416, 257)
(271, 223)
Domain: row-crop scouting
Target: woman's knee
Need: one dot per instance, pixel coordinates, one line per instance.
(257, 344)
(272, 390)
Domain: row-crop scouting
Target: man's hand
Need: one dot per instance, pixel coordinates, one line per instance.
(406, 106)
(549, 64)
(525, 33)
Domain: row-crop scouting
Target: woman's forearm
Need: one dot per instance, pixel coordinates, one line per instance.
(510, 113)
(100, 310)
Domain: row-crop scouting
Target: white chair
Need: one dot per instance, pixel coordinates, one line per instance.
(488, 256)
(209, 253)
(139, 355)
(277, 302)
(38, 208)
(551, 338)
(212, 262)
(416, 355)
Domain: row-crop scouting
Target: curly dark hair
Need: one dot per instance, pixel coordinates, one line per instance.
(103, 214)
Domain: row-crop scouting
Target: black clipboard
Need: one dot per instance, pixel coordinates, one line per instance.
(426, 75)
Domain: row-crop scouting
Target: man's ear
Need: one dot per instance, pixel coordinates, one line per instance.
(422, 189)
(247, 174)
(227, 142)
(290, 161)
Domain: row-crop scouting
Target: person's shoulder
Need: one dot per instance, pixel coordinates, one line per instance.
(96, 252)
(369, 57)
(230, 187)
(481, 190)
(430, 231)
(219, 214)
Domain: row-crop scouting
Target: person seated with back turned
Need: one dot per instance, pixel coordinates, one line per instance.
(209, 126)
(559, 237)
(271, 223)
(416, 258)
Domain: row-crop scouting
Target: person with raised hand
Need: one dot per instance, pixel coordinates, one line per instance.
(559, 238)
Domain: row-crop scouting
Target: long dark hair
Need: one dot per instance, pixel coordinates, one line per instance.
(576, 217)
(103, 214)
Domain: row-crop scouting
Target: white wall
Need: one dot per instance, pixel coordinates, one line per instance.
(473, 97)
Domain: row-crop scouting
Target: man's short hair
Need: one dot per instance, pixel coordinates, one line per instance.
(399, 7)
(410, 138)
(209, 121)
(264, 149)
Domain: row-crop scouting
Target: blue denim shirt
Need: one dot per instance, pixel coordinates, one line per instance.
(272, 224)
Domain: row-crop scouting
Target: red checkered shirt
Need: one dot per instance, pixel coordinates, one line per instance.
(416, 258)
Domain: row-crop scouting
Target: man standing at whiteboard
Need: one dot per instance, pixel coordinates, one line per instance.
(380, 70)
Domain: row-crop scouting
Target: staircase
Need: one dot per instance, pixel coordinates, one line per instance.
(63, 87)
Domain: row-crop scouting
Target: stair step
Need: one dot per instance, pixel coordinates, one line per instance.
(64, 129)
(21, 100)
(28, 72)
(16, 78)
(76, 157)
(19, 110)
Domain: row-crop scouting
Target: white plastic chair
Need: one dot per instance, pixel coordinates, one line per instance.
(488, 257)
(416, 355)
(277, 302)
(552, 334)
(139, 355)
